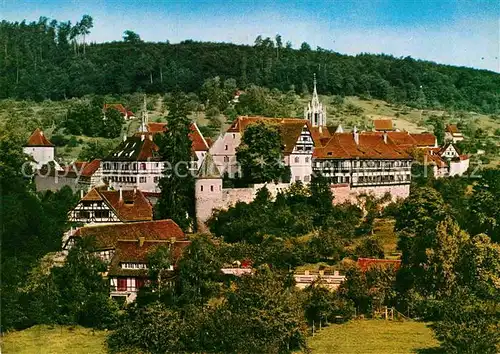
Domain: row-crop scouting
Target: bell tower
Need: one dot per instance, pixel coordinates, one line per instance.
(315, 113)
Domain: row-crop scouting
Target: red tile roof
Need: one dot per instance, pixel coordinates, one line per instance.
(289, 128)
(86, 169)
(107, 236)
(320, 136)
(38, 139)
(371, 146)
(137, 251)
(452, 128)
(367, 263)
(424, 139)
(135, 148)
(199, 143)
(133, 206)
(120, 108)
(383, 124)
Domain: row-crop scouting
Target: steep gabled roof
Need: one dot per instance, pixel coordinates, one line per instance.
(133, 206)
(453, 129)
(208, 169)
(383, 124)
(135, 148)
(199, 143)
(120, 108)
(86, 169)
(107, 236)
(289, 128)
(38, 139)
(137, 251)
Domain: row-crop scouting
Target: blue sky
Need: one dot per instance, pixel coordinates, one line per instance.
(459, 32)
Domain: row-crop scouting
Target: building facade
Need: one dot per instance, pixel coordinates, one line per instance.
(101, 206)
(41, 150)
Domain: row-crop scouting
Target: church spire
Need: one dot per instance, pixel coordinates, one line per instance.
(144, 119)
(315, 91)
(314, 112)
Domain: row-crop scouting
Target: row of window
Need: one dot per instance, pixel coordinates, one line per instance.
(384, 178)
(307, 178)
(127, 179)
(121, 284)
(306, 160)
(134, 166)
(134, 266)
(212, 188)
(96, 214)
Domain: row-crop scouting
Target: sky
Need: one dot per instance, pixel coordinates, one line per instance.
(457, 32)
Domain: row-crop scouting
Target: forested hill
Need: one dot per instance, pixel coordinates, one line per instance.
(49, 59)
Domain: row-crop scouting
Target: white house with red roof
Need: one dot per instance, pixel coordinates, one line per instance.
(136, 163)
(40, 149)
(453, 134)
(127, 114)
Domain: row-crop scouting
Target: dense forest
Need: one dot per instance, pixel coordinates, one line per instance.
(48, 59)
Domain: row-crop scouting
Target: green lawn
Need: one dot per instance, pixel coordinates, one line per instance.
(374, 337)
(55, 340)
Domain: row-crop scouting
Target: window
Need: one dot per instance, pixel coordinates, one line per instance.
(226, 147)
(142, 179)
(139, 283)
(122, 284)
(297, 159)
(143, 166)
(201, 188)
(307, 178)
(297, 178)
(234, 136)
(307, 159)
(226, 158)
(156, 179)
(211, 188)
(102, 214)
(308, 148)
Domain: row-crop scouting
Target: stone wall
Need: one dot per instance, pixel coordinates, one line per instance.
(344, 193)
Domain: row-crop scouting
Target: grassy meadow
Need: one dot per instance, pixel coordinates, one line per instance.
(375, 337)
(355, 337)
(54, 340)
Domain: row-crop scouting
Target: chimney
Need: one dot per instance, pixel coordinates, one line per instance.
(356, 135)
(142, 137)
(141, 241)
(385, 137)
(150, 137)
(81, 193)
(41, 132)
(121, 194)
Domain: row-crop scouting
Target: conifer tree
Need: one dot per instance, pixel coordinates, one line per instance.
(177, 185)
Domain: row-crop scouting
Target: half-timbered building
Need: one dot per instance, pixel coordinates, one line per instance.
(110, 206)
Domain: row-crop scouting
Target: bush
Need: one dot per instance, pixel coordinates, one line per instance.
(59, 140)
(469, 326)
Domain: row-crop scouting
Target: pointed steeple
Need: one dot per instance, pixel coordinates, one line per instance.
(208, 169)
(315, 99)
(315, 112)
(144, 119)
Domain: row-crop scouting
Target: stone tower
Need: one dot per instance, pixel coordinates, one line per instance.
(208, 192)
(315, 113)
